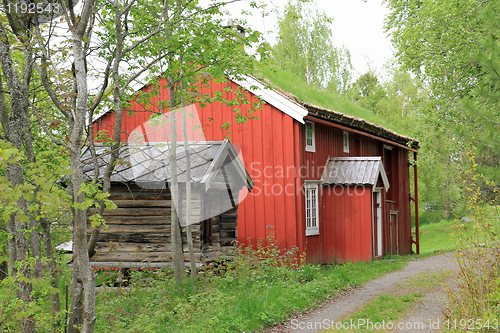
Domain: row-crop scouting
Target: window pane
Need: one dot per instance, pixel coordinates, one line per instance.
(309, 134)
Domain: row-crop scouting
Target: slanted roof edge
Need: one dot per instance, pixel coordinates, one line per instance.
(226, 148)
(274, 98)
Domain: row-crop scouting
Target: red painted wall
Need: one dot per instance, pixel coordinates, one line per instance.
(347, 232)
(329, 143)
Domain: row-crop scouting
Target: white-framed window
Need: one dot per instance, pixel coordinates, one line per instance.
(310, 145)
(346, 142)
(312, 211)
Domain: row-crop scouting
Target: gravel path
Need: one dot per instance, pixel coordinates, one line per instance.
(340, 307)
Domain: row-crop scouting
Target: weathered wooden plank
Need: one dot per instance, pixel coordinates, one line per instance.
(139, 220)
(131, 187)
(133, 264)
(141, 238)
(139, 196)
(141, 247)
(143, 203)
(135, 238)
(195, 228)
(146, 228)
(141, 256)
(133, 228)
(229, 218)
(227, 226)
(228, 234)
(133, 212)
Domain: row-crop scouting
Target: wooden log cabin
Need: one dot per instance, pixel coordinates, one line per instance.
(137, 233)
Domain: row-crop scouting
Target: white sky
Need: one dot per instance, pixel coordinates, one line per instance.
(358, 25)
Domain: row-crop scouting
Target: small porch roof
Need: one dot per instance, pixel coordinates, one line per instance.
(354, 171)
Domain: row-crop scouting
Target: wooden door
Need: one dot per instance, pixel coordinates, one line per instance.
(393, 233)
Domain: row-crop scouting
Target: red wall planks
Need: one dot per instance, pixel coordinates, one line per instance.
(329, 143)
(347, 236)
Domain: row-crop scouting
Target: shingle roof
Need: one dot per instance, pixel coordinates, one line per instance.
(149, 163)
(354, 171)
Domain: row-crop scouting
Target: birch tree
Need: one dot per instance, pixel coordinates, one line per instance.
(80, 30)
(305, 47)
(17, 33)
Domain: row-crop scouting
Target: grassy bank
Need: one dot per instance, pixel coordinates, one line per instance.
(436, 237)
(247, 295)
(288, 82)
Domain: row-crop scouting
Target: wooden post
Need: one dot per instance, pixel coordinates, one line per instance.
(415, 180)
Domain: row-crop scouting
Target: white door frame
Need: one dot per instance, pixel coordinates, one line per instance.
(378, 223)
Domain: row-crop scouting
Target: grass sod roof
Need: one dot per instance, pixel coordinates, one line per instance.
(326, 105)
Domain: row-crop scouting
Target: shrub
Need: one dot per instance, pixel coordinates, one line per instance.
(477, 254)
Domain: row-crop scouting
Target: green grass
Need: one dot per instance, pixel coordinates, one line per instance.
(426, 280)
(436, 237)
(383, 309)
(249, 296)
(288, 82)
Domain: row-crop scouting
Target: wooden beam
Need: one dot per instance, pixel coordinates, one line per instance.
(142, 203)
(415, 180)
(345, 128)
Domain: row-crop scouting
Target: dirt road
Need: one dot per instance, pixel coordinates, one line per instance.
(428, 311)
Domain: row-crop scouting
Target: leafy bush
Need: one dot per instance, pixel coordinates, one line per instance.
(478, 253)
(430, 216)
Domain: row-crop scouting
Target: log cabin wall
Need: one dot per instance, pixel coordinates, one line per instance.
(137, 232)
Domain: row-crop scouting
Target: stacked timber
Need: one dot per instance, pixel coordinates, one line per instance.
(137, 233)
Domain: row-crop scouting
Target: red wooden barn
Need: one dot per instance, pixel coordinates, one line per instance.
(335, 186)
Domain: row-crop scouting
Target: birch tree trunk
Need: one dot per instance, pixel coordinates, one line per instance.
(85, 270)
(176, 239)
(189, 233)
(17, 224)
(80, 245)
(117, 104)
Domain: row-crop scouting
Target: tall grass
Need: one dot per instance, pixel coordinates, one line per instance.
(258, 288)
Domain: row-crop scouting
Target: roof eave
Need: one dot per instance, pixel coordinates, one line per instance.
(361, 125)
(225, 150)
